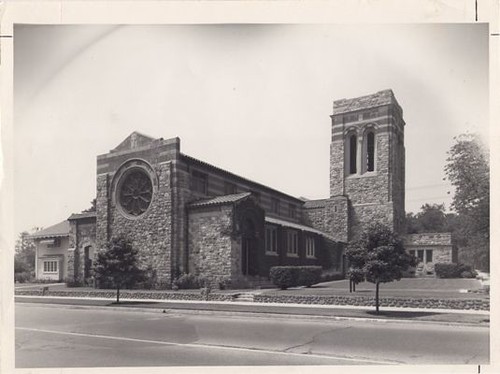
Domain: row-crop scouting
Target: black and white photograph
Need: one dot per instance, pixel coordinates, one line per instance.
(251, 194)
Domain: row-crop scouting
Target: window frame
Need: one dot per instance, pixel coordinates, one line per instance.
(292, 211)
(275, 205)
(292, 243)
(353, 153)
(369, 156)
(199, 182)
(310, 247)
(230, 188)
(50, 266)
(427, 251)
(271, 240)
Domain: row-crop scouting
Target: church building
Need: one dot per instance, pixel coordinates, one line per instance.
(187, 216)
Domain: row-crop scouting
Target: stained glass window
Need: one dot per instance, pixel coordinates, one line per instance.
(136, 193)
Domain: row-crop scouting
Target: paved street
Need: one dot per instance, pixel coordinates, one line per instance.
(83, 337)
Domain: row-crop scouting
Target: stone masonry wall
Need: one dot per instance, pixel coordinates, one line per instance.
(363, 215)
(329, 216)
(150, 232)
(82, 233)
(102, 210)
(376, 195)
(425, 239)
(210, 242)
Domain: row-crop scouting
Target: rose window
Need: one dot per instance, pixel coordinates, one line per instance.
(136, 193)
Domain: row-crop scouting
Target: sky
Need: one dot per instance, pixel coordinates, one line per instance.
(253, 99)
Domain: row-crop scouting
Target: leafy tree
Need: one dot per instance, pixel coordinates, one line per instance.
(24, 258)
(431, 218)
(468, 170)
(116, 265)
(379, 257)
(92, 207)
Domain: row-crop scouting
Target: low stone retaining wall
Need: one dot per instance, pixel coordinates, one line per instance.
(124, 294)
(429, 303)
(467, 304)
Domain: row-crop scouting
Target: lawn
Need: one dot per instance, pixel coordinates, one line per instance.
(406, 287)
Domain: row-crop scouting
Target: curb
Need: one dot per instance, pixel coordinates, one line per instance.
(264, 304)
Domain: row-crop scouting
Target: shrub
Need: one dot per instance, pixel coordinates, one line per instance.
(467, 274)
(446, 270)
(327, 276)
(223, 282)
(284, 276)
(23, 277)
(292, 276)
(309, 275)
(70, 282)
(189, 282)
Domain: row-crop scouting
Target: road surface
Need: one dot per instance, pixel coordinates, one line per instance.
(49, 336)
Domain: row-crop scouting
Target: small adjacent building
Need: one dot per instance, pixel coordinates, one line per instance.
(187, 216)
(430, 249)
(52, 246)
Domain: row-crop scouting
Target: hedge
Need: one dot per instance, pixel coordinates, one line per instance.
(447, 270)
(292, 276)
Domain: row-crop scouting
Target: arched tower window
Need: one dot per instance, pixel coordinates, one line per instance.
(368, 154)
(351, 154)
(370, 151)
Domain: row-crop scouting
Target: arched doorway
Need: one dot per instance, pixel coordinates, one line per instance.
(249, 248)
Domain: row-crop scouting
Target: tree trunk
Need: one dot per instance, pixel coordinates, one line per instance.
(350, 285)
(118, 295)
(376, 297)
(354, 286)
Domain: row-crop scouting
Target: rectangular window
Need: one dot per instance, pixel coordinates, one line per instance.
(256, 195)
(292, 211)
(292, 243)
(50, 266)
(230, 188)
(420, 255)
(55, 243)
(271, 240)
(428, 255)
(199, 182)
(310, 250)
(275, 205)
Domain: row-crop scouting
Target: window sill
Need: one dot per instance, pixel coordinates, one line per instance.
(311, 257)
(271, 253)
(292, 255)
(366, 174)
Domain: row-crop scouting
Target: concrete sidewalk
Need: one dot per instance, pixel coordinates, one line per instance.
(273, 309)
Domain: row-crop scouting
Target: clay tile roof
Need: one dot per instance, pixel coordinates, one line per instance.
(218, 200)
(75, 216)
(60, 229)
(297, 226)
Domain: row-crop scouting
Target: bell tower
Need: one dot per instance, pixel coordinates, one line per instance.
(367, 160)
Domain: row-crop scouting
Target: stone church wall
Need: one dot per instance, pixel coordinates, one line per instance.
(329, 216)
(210, 242)
(150, 231)
(82, 233)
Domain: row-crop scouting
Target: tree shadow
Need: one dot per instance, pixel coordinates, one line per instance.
(400, 314)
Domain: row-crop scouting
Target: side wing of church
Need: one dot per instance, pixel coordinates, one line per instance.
(187, 216)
